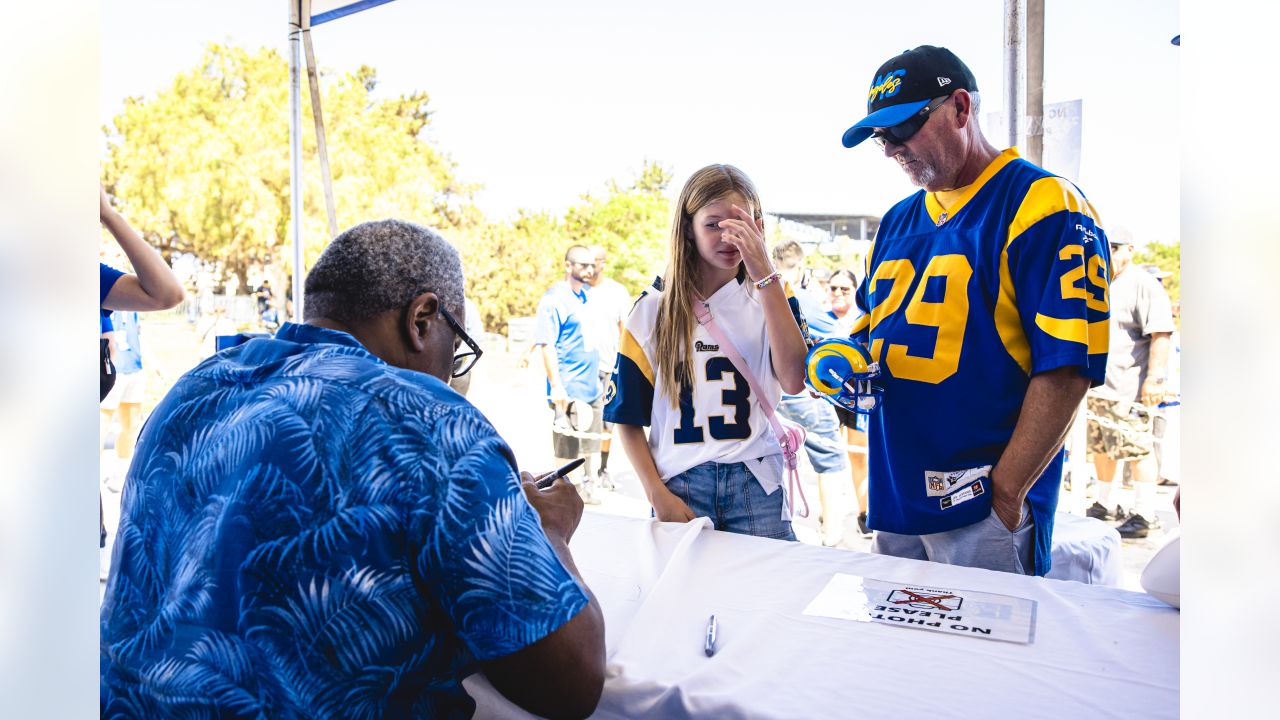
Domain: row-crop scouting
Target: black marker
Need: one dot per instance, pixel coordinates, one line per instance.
(710, 646)
(544, 482)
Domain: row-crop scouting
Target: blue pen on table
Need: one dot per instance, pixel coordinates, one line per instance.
(545, 481)
(710, 646)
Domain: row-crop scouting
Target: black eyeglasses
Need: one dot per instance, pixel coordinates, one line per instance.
(905, 130)
(841, 289)
(582, 264)
(462, 361)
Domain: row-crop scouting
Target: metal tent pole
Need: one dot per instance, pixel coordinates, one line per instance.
(295, 150)
(322, 147)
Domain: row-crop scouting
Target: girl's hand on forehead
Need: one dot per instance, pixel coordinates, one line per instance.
(747, 234)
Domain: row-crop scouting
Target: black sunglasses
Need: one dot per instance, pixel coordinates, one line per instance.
(462, 361)
(903, 131)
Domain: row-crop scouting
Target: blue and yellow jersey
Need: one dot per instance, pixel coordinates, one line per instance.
(963, 306)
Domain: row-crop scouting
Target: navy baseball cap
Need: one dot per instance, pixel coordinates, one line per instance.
(907, 83)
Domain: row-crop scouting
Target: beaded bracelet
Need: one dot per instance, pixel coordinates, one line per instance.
(768, 280)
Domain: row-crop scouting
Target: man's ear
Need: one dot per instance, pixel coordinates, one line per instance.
(422, 311)
(964, 107)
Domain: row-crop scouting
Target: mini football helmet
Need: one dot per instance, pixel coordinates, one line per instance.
(841, 371)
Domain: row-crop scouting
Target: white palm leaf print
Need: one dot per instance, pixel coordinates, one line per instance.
(352, 619)
(514, 571)
(182, 688)
(476, 470)
(510, 553)
(348, 531)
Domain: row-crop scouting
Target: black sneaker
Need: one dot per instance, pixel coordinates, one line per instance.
(862, 525)
(1137, 527)
(1098, 512)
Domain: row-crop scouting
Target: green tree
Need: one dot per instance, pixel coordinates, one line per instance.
(510, 265)
(203, 167)
(1167, 258)
(632, 222)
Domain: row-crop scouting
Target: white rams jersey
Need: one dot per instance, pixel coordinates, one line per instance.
(718, 420)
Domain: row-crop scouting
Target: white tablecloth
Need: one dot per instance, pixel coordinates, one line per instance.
(1098, 651)
(1085, 550)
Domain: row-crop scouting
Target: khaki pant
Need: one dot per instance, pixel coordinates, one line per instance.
(1118, 429)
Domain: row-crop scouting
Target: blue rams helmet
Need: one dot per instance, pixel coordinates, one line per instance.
(841, 371)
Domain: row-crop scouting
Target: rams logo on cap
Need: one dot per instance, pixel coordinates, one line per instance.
(886, 85)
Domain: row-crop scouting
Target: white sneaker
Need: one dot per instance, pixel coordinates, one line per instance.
(588, 497)
(832, 534)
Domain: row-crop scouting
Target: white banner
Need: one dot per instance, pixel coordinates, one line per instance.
(1062, 133)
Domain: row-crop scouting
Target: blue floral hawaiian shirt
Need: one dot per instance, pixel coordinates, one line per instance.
(308, 532)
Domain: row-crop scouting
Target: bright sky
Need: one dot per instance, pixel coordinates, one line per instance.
(543, 101)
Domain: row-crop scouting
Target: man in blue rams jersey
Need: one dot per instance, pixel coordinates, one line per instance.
(987, 309)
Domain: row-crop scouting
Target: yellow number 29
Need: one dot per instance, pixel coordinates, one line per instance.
(950, 316)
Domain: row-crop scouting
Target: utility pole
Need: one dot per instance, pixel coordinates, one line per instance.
(1035, 82)
(1015, 31)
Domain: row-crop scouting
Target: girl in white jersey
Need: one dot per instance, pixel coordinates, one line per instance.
(710, 450)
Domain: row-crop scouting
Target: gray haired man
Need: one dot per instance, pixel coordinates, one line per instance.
(320, 523)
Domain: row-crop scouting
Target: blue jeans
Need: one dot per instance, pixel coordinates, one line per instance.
(730, 495)
(823, 442)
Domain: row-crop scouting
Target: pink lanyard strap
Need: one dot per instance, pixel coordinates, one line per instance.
(702, 311)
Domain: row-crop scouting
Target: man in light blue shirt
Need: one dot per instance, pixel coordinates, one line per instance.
(572, 364)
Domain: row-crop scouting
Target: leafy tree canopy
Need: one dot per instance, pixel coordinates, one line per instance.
(510, 265)
(1167, 258)
(203, 167)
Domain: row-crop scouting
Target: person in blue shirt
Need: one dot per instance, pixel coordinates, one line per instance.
(987, 306)
(316, 525)
(571, 361)
(124, 402)
(153, 287)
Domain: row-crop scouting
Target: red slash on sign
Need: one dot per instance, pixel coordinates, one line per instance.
(922, 600)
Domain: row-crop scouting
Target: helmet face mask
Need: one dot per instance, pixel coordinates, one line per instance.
(841, 371)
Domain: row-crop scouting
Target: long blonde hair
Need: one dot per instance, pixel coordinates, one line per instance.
(673, 345)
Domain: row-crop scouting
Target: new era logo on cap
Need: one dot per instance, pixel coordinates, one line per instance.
(901, 87)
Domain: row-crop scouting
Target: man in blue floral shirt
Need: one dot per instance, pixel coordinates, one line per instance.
(315, 525)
